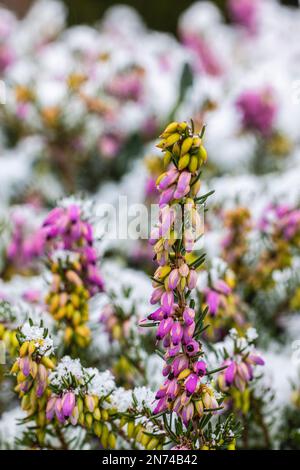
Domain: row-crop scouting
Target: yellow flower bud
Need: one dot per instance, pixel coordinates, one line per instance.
(184, 161)
(176, 149)
(88, 420)
(232, 444)
(76, 318)
(193, 165)
(48, 362)
(171, 128)
(152, 444)
(172, 139)
(202, 154)
(20, 377)
(97, 427)
(14, 339)
(24, 349)
(130, 429)
(182, 126)
(68, 335)
(75, 300)
(104, 437)
(145, 439)
(162, 272)
(54, 304)
(196, 188)
(199, 407)
(60, 313)
(97, 414)
(167, 158)
(15, 368)
(183, 374)
(31, 348)
(111, 441)
(69, 310)
(81, 419)
(186, 145)
(25, 402)
(104, 414)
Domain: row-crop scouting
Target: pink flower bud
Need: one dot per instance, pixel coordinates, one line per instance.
(167, 302)
(161, 406)
(187, 413)
(156, 295)
(166, 196)
(179, 364)
(173, 279)
(191, 384)
(68, 403)
(176, 333)
(170, 178)
(164, 328)
(157, 315)
(188, 316)
(50, 408)
(200, 368)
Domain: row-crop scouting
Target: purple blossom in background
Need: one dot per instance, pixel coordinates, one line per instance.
(258, 110)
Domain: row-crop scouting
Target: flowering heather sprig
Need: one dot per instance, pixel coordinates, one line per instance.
(32, 369)
(79, 396)
(235, 244)
(280, 228)
(90, 399)
(127, 362)
(258, 111)
(8, 332)
(225, 308)
(282, 222)
(240, 364)
(26, 244)
(183, 391)
(73, 263)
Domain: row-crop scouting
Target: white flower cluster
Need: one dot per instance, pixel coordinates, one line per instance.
(43, 343)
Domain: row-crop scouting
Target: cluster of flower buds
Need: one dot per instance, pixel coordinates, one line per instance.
(67, 301)
(235, 245)
(239, 369)
(225, 308)
(76, 399)
(116, 325)
(282, 224)
(183, 391)
(32, 369)
(26, 245)
(239, 372)
(73, 262)
(141, 435)
(184, 154)
(8, 332)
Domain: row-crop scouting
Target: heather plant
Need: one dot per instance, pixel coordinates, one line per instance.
(186, 391)
(93, 364)
(226, 309)
(72, 260)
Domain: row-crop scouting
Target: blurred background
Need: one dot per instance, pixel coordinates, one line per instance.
(161, 15)
(86, 88)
